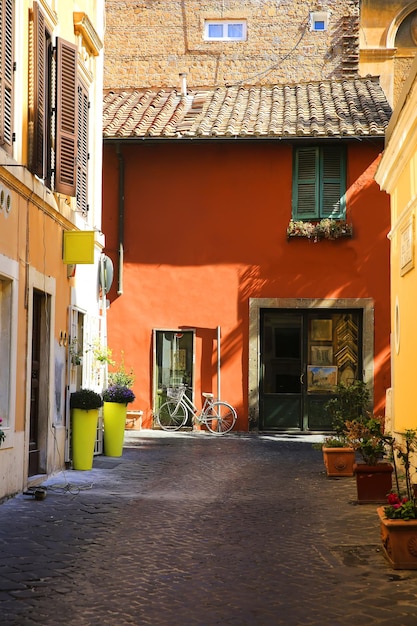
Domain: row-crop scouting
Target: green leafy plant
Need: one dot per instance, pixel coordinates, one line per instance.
(366, 436)
(402, 504)
(332, 441)
(350, 403)
(85, 399)
(121, 376)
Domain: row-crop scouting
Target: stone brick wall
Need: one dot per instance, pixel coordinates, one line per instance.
(148, 43)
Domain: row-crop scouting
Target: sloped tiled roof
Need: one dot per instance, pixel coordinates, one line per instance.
(338, 108)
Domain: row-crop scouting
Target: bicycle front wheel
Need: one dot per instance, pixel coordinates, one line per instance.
(220, 418)
(171, 415)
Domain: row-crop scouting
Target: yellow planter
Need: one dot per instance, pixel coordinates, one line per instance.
(84, 433)
(114, 420)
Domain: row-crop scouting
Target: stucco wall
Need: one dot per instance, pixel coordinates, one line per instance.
(205, 230)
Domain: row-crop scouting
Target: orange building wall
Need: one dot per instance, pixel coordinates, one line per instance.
(205, 230)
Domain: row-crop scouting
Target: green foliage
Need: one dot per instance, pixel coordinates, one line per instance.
(121, 376)
(367, 437)
(403, 503)
(350, 404)
(85, 399)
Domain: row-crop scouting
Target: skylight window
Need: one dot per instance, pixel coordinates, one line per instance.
(225, 30)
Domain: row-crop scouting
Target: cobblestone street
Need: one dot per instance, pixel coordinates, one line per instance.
(192, 529)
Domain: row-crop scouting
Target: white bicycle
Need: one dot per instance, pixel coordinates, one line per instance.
(219, 416)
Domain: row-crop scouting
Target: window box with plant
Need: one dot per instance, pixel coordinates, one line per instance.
(318, 194)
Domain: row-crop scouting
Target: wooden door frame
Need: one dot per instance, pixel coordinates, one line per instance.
(46, 285)
(255, 306)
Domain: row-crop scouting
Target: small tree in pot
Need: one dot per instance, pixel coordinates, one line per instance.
(373, 476)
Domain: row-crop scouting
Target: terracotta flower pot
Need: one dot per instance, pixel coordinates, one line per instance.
(339, 461)
(373, 482)
(399, 541)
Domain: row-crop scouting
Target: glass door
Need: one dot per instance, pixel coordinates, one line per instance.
(304, 354)
(173, 363)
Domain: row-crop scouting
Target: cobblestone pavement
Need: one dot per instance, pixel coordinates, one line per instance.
(197, 530)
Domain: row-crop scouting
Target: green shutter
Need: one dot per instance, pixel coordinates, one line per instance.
(332, 184)
(319, 183)
(305, 184)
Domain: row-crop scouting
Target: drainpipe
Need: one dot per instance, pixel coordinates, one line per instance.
(121, 219)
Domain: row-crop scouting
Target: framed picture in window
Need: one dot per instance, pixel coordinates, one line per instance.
(321, 378)
(321, 330)
(321, 355)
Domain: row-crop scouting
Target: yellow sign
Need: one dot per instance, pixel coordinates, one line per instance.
(78, 247)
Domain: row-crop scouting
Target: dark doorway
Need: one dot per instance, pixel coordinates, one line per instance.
(304, 354)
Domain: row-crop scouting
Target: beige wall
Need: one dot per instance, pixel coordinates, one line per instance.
(147, 43)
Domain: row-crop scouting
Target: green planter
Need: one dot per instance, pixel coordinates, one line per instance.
(84, 433)
(114, 421)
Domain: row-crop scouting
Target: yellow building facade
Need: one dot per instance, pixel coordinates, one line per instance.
(51, 67)
(397, 175)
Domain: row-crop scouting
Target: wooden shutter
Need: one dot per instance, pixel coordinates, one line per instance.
(82, 156)
(305, 184)
(332, 182)
(66, 118)
(6, 74)
(40, 71)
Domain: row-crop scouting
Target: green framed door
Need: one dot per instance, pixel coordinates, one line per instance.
(304, 354)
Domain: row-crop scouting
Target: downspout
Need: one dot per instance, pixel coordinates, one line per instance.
(121, 220)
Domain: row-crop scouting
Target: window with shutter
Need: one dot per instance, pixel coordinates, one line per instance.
(41, 146)
(82, 155)
(66, 118)
(6, 74)
(319, 183)
(53, 108)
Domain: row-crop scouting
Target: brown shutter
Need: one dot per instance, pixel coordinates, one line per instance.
(38, 156)
(66, 118)
(82, 157)
(6, 74)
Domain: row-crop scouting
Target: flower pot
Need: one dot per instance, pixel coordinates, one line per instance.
(399, 541)
(114, 420)
(339, 461)
(373, 482)
(84, 433)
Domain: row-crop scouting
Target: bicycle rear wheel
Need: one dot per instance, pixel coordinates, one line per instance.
(171, 415)
(220, 418)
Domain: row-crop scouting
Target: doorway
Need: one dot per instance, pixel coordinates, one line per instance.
(39, 388)
(173, 363)
(303, 355)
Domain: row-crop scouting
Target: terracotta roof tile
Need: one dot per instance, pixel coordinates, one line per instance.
(339, 108)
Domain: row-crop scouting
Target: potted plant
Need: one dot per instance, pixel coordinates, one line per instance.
(338, 456)
(349, 403)
(116, 398)
(373, 475)
(398, 519)
(84, 405)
